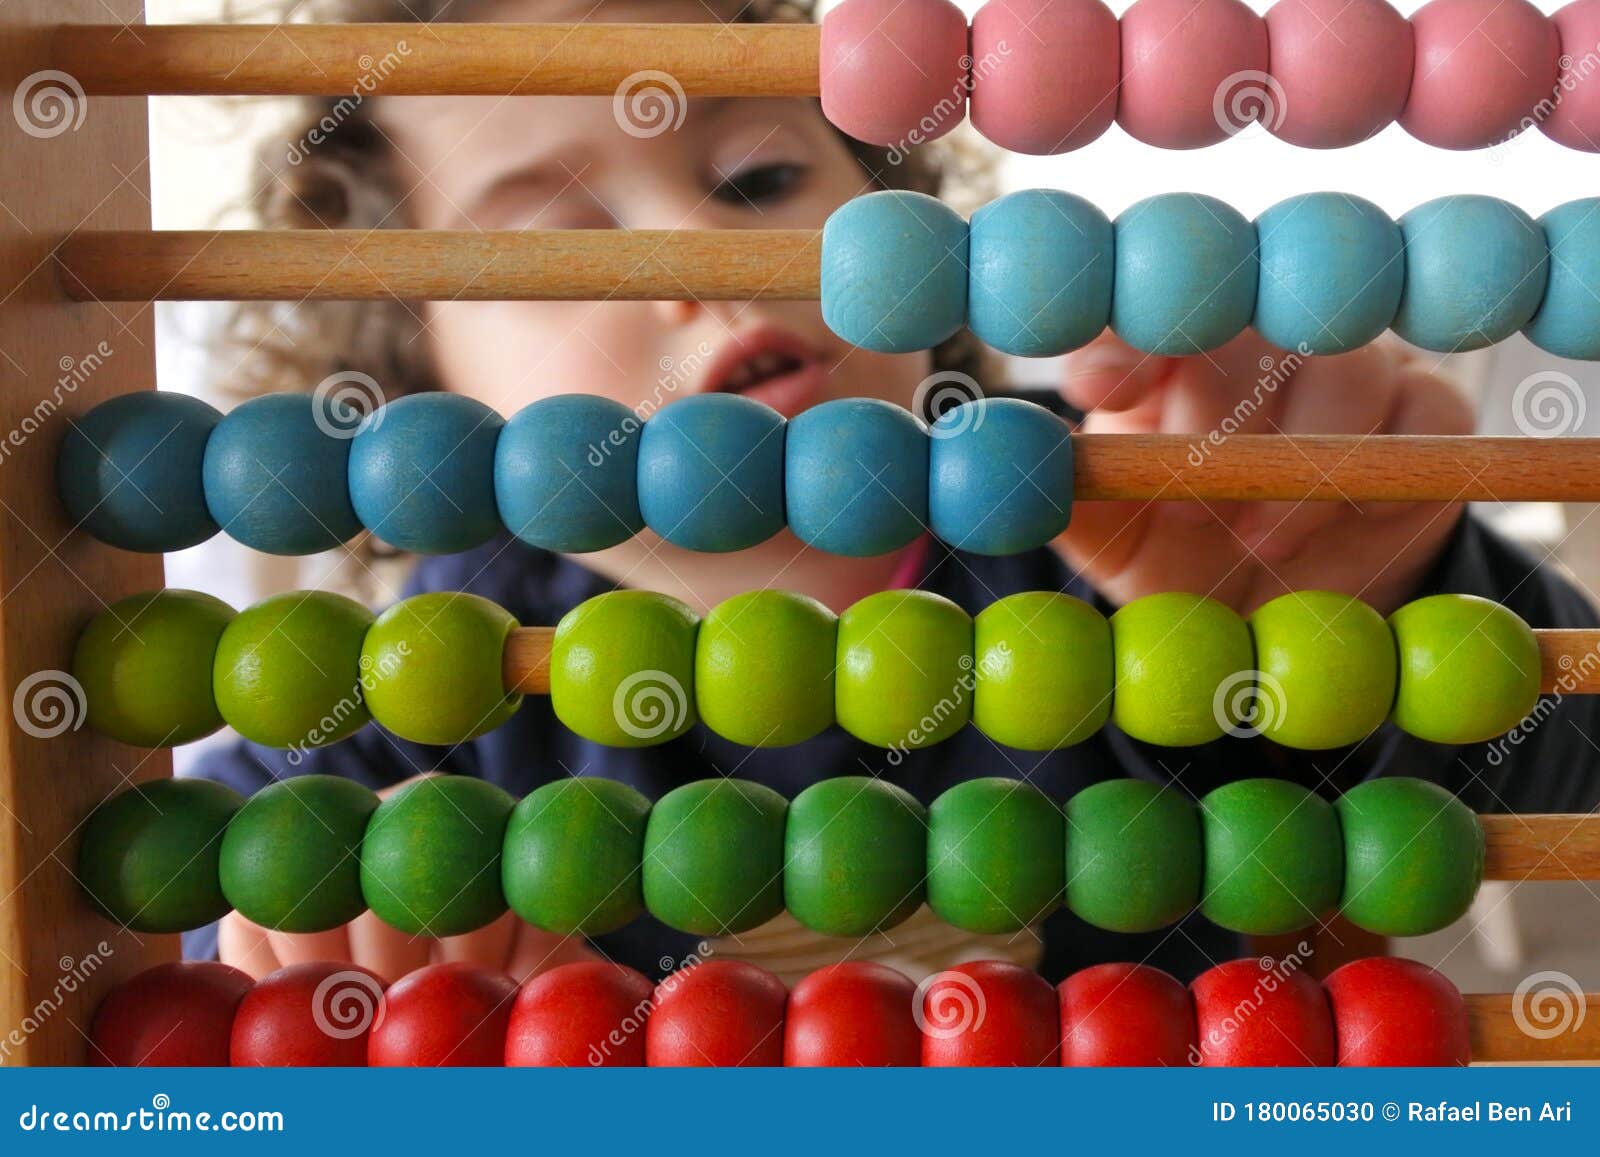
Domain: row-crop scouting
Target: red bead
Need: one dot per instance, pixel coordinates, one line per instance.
(1575, 119)
(444, 1015)
(590, 1012)
(1342, 69)
(894, 72)
(172, 1014)
(856, 1013)
(1023, 99)
(1482, 67)
(308, 1015)
(1193, 71)
(1249, 1015)
(989, 1013)
(1125, 1015)
(1388, 1011)
(717, 1013)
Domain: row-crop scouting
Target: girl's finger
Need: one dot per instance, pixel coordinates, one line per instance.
(487, 947)
(536, 951)
(385, 950)
(1110, 375)
(311, 947)
(246, 946)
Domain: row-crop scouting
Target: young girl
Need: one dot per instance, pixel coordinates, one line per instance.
(569, 162)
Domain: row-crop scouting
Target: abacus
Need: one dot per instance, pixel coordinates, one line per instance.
(102, 854)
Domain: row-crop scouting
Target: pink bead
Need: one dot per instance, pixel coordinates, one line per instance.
(1342, 70)
(894, 72)
(1481, 68)
(1193, 71)
(1574, 120)
(1044, 73)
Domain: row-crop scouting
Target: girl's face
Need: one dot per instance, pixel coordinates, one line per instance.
(567, 163)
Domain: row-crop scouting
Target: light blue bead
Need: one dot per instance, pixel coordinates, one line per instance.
(1041, 268)
(566, 473)
(1332, 272)
(422, 473)
(1185, 276)
(277, 475)
(130, 472)
(894, 271)
(1000, 476)
(856, 477)
(711, 472)
(1568, 321)
(1475, 272)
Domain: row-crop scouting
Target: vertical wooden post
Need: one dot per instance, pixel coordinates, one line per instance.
(65, 164)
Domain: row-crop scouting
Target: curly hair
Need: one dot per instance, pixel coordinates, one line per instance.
(346, 179)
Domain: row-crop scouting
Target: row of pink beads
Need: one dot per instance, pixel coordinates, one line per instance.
(1047, 76)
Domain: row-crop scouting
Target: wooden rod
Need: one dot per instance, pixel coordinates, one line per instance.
(1541, 847)
(439, 58)
(1558, 1025)
(442, 265)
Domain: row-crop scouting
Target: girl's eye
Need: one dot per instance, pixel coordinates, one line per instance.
(758, 184)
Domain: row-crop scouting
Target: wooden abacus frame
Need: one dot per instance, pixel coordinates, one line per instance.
(78, 250)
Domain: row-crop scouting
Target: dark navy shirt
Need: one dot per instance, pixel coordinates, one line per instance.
(1554, 768)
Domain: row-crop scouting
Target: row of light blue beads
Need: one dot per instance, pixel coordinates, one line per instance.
(1181, 273)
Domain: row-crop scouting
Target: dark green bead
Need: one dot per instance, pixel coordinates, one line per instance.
(856, 856)
(430, 862)
(149, 857)
(1134, 855)
(713, 856)
(1274, 857)
(572, 855)
(1413, 856)
(291, 859)
(996, 855)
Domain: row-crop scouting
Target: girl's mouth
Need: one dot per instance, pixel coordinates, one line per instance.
(771, 365)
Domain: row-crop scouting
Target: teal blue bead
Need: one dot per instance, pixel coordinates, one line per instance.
(130, 472)
(711, 472)
(1332, 272)
(1040, 273)
(1475, 272)
(1186, 272)
(277, 474)
(856, 477)
(566, 473)
(1568, 321)
(422, 473)
(999, 476)
(894, 271)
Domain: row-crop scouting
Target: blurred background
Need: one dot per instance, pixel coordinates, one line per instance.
(203, 169)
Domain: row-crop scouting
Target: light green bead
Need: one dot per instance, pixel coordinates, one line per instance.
(1327, 670)
(1180, 661)
(144, 665)
(288, 670)
(433, 668)
(1469, 668)
(1044, 671)
(905, 676)
(622, 669)
(763, 668)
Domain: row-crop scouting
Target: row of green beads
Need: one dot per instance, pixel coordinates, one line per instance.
(1041, 670)
(899, 669)
(848, 856)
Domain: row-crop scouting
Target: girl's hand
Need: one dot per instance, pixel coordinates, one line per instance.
(1244, 553)
(508, 945)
